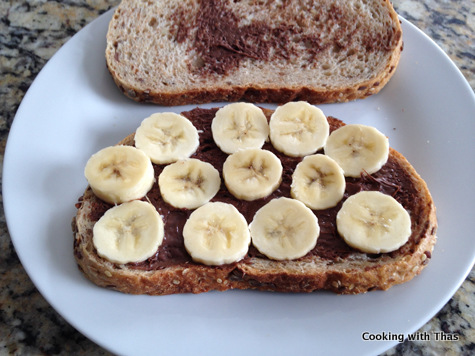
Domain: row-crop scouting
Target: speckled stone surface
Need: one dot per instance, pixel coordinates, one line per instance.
(31, 31)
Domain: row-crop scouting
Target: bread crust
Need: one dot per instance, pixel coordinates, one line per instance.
(350, 274)
(145, 85)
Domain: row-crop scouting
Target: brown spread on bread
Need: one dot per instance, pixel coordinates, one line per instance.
(222, 41)
(391, 179)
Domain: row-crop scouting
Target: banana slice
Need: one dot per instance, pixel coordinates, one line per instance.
(252, 173)
(216, 233)
(130, 232)
(118, 174)
(298, 129)
(284, 229)
(189, 184)
(318, 182)
(373, 222)
(358, 148)
(167, 137)
(239, 125)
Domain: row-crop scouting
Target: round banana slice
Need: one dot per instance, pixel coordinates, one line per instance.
(216, 233)
(357, 148)
(189, 184)
(167, 137)
(318, 182)
(118, 174)
(298, 129)
(373, 222)
(130, 232)
(252, 173)
(239, 125)
(284, 229)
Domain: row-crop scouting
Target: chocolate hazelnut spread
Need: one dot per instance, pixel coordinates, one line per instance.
(222, 43)
(391, 179)
(222, 39)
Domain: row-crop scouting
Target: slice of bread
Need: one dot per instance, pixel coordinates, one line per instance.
(174, 52)
(331, 265)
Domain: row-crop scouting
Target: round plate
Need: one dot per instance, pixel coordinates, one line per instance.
(73, 109)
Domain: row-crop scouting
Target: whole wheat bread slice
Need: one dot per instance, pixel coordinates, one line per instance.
(174, 52)
(331, 265)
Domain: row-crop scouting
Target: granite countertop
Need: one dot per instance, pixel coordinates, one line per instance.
(31, 31)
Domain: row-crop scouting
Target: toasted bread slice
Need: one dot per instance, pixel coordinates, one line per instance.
(174, 52)
(331, 265)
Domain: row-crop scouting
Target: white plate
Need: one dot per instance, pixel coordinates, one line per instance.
(73, 109)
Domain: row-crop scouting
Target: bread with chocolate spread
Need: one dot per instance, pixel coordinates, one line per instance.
(174, 52)
(331, 264)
